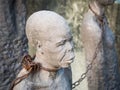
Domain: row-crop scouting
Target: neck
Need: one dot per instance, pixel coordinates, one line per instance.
(42, 79)
(97, 8)
(44, 64)
(46, 69)
(46, 73)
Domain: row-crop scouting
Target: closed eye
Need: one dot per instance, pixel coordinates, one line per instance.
(61, 43)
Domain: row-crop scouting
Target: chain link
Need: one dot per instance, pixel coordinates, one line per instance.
(89, 67)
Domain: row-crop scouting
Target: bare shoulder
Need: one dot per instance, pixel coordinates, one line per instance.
(90, 28)
(20, 85)
(22, 72)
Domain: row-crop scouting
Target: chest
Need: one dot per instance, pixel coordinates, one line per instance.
(60, 82)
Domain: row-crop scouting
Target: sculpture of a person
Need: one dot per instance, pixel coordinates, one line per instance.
(50, 35)
(99, 44)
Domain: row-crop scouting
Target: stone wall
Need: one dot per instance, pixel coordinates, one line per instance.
(13, 42)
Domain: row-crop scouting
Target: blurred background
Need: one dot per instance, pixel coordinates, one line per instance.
(13, 41)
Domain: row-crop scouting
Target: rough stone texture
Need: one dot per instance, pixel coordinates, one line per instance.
(12, 39)
(114, 21)
(117, 31)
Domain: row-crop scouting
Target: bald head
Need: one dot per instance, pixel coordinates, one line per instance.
(44, 24)
(49, 33)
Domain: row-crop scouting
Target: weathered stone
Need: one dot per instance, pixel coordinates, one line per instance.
(12, 26)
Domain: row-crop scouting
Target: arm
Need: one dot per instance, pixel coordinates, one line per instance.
(91, 35)
(21, 85)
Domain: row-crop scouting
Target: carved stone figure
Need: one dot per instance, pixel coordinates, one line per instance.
(50, 35)
(99, 45)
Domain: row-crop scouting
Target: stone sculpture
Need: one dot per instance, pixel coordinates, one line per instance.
(99, 44)
(49, 34)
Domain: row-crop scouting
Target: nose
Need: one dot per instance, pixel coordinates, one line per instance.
(69, 46)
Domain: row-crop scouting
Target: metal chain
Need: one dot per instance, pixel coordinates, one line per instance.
(89, 67)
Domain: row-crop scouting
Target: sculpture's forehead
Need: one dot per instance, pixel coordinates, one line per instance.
(47, 25)
(58, 34)
(61, 33)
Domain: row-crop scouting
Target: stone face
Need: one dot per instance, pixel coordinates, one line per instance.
(13, 42)
(50, 35)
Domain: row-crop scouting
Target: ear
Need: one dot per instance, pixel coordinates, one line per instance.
(39, 49)
(39, 44)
